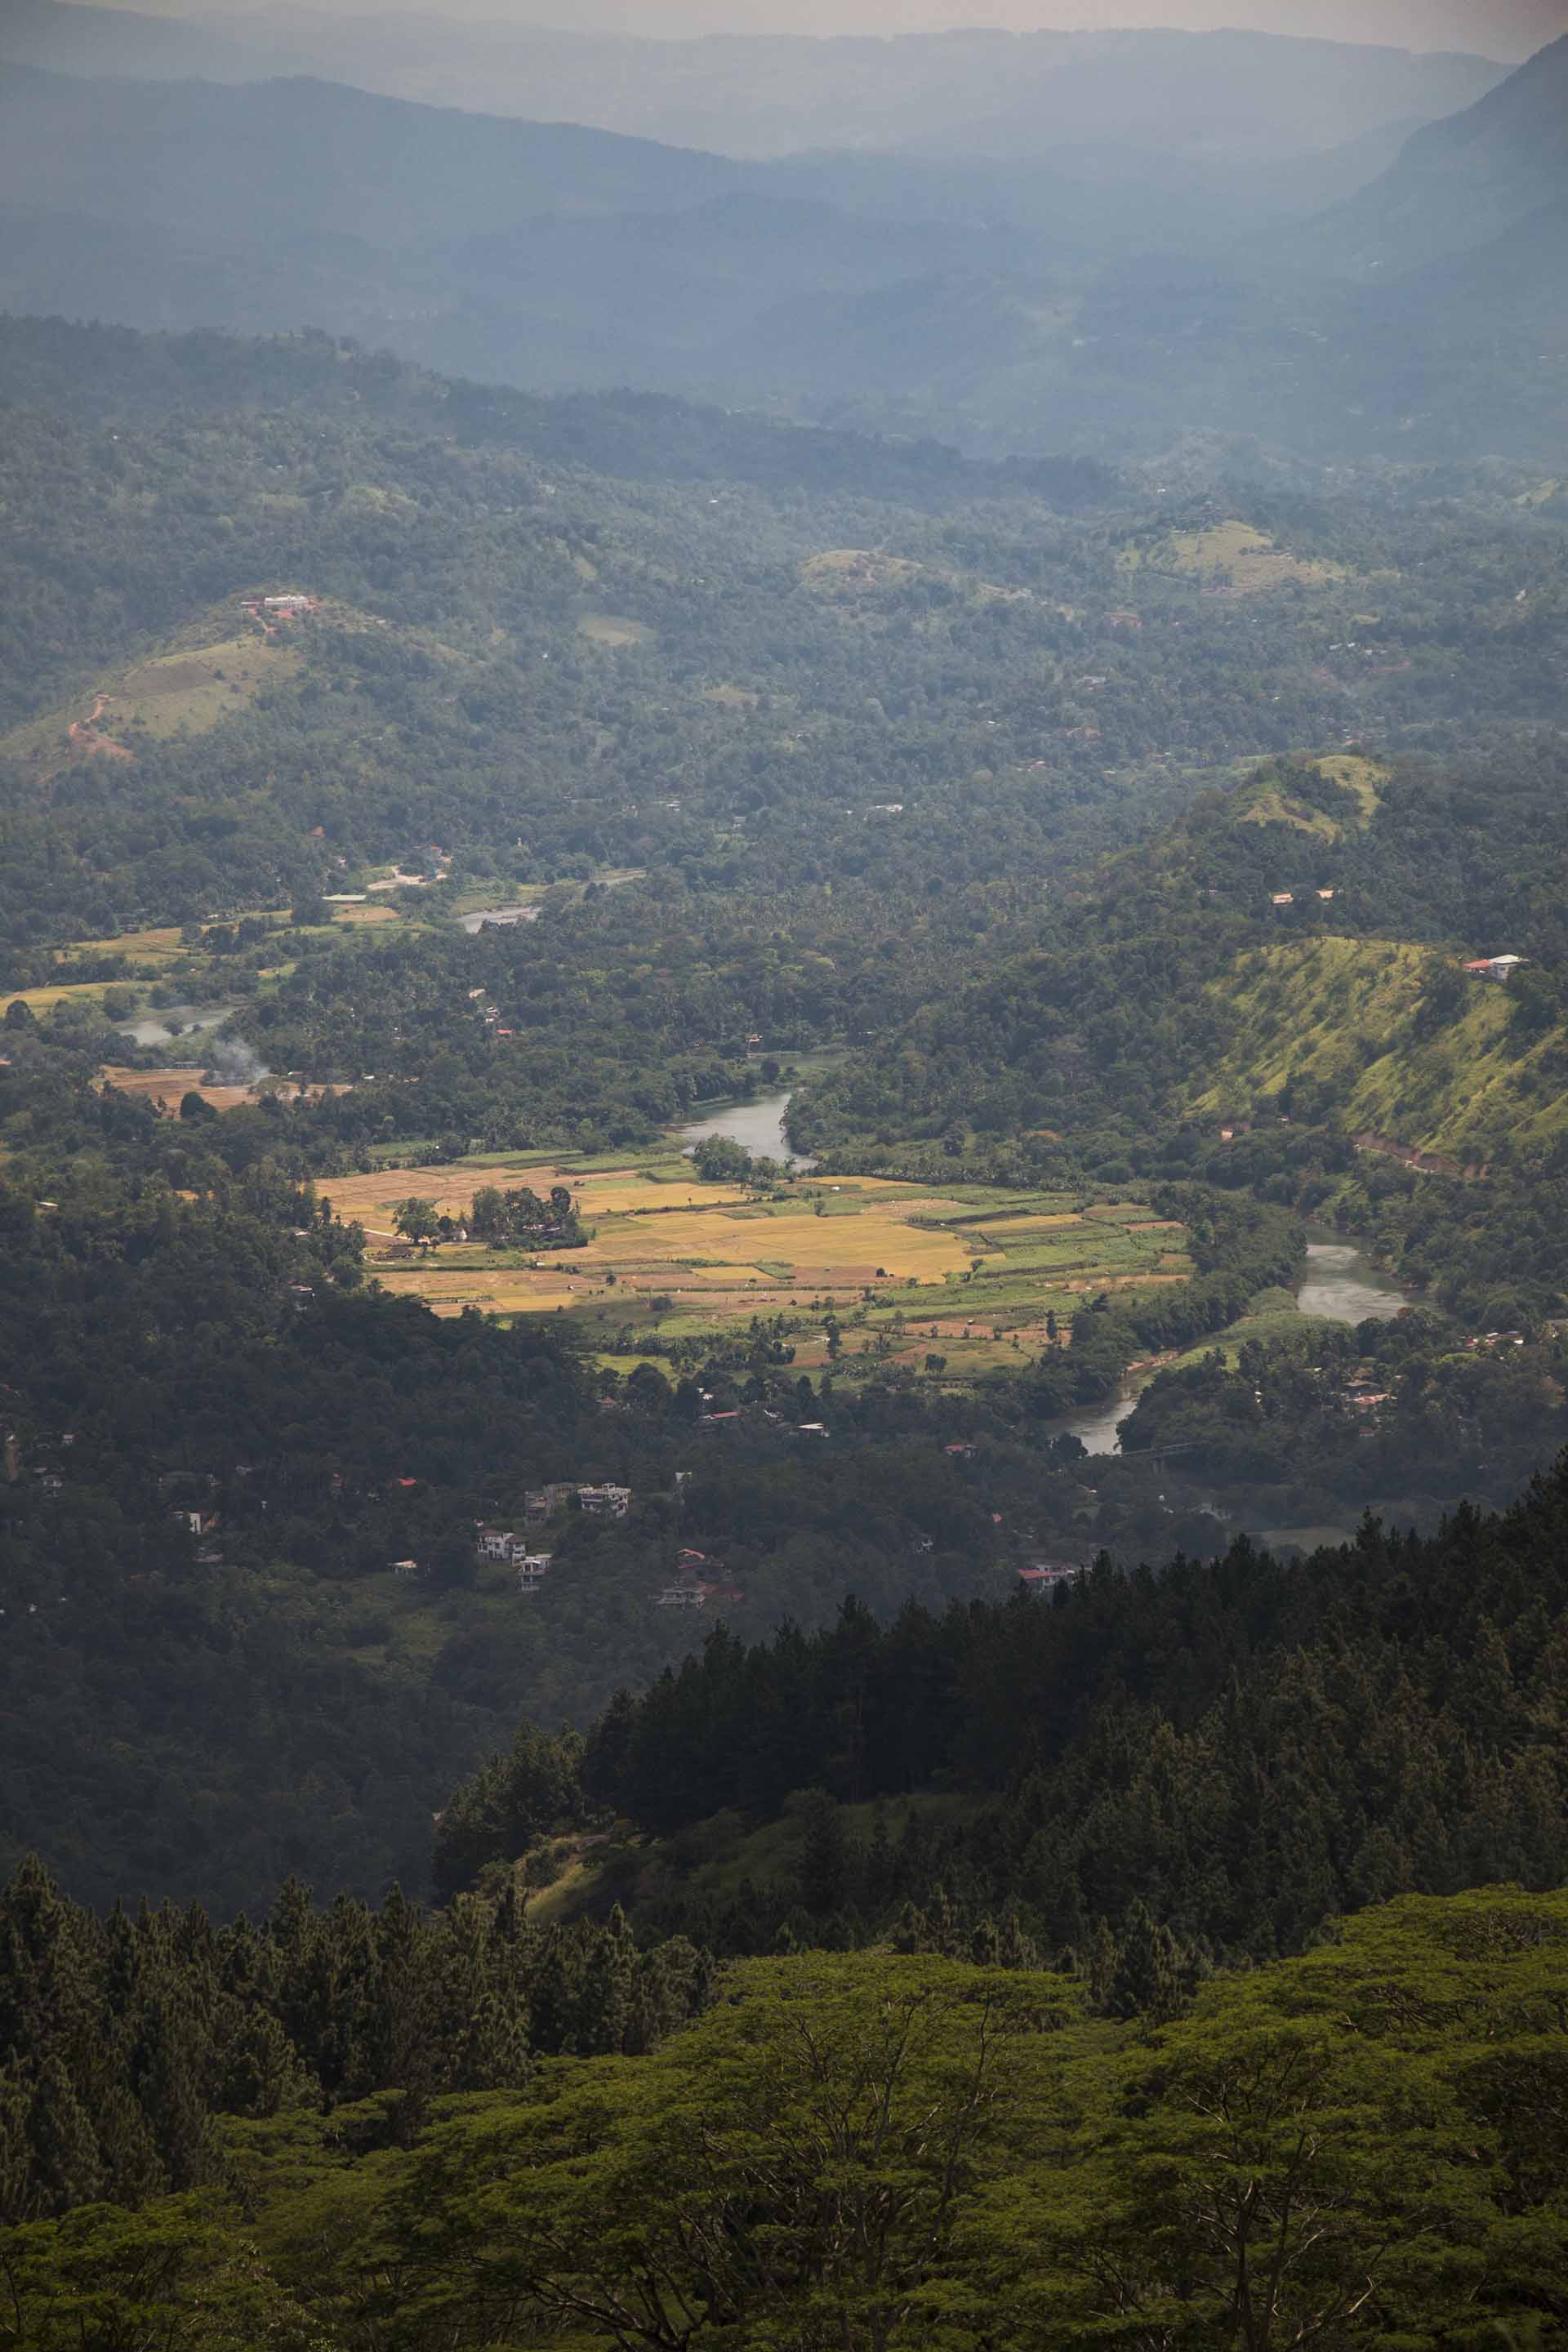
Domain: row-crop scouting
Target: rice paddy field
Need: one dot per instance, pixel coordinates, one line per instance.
(969, 1275)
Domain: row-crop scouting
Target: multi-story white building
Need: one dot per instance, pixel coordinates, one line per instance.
(606, 1502)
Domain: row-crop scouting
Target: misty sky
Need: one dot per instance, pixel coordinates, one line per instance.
(1504, 28)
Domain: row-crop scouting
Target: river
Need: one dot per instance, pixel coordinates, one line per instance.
(757, 1125)
(1343, 1286)
(1340, 1285)
(153, 1028)
(475, 921)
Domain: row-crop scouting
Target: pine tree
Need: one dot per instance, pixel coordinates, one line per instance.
(1147, 1979)
(65, 2166)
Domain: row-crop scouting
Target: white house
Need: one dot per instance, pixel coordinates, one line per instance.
(500, 1543)
(606, 1502)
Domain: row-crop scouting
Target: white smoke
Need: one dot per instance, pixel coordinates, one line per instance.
(236, 1063)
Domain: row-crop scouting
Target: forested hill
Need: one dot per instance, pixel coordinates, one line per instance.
(110, 374)
(548, 634)
(553, 635)
(1242, 1745)
(527, 2121)
(1293, 944)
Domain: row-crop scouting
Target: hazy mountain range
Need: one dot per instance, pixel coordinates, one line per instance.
(998, 95)
(1178, 246)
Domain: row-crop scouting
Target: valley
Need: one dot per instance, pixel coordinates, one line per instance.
(783, 1186)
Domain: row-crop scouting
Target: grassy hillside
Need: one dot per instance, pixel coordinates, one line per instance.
(1267, 800)
(1385, 1035)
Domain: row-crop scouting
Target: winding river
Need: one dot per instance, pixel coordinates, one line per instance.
(1340, 1285)
(153, 1029)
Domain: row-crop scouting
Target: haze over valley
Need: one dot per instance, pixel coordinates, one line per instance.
(1069, 243)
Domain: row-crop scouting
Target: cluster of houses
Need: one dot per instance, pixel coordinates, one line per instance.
(606, 1502)
(1497, 967)
(1282, 898)
(514, 1547)
(287, 607)
(513, 1550)
(46, 1473)
(736, 1417)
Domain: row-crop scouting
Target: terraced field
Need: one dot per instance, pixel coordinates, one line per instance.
(969, 1276)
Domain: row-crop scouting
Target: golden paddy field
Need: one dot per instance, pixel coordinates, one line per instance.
(970, 1275)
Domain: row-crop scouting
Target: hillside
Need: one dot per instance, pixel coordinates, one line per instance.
(1078, 1746)
(277, 158)
(498, 576)
(1386, 1040)
(526, 609)
(1474, 180)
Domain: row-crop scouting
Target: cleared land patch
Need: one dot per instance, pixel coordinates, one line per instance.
(193, 688)
(1267, 803)
(1229, 559)
(850, 575)
(613, 629)
(166, 1089)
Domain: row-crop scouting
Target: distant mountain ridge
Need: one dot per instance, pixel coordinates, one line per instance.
(1459, 184)
(1111, 305)
(82, 39)
(304, 155)
(969, 94)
